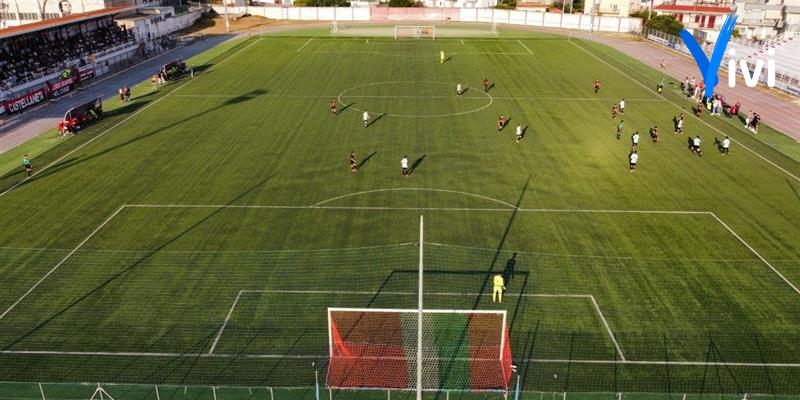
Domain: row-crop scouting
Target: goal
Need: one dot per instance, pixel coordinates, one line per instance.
(377, 349)
(415, 31)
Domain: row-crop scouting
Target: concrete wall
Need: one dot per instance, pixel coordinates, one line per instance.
(488, 15)
(156, 26)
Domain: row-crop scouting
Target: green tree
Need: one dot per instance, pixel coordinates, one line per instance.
(665, 23)
(643, 14)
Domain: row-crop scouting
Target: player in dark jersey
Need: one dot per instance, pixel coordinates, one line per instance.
(485, 84)
(501, 122)
(614, 111)
(353, 163)
(26, 163)
(596, 86)
(654, 134)
(333, 106)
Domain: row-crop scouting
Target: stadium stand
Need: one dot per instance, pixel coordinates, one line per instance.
(787, 58)
(36, 54)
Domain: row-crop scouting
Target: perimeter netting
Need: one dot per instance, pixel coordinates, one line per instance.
(415, 31)
(377, 348)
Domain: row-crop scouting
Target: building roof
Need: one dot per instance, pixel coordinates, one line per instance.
(52, 23)
(693, 9)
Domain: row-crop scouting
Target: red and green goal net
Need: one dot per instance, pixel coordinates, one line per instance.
(377, 349)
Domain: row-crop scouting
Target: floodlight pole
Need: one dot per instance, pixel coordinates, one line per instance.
(227, 24)
(419, 312)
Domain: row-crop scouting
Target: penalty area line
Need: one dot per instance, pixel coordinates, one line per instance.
(60, 263)
(225, 323)
(752, 250)
(523, 45)
(304, 45)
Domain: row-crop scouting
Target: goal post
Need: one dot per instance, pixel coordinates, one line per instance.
(376, 348)
(415, 31)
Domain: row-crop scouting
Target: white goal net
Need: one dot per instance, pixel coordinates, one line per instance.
(378, 349)
(415, 31)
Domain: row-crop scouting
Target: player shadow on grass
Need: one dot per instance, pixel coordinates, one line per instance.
(346, 106)
(416, 164)
(246, 96)
(16, 175)
(794, 189)
(374, 120)
(64, 164)
(508, 121)
(364, 161)
(101, 288)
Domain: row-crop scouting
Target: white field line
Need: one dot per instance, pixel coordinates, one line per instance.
(383, 246)
(393, 293)
(60, 263)
(318, 208)
(304, 45)
(419, 55)
(291, 96)
(509, 209)
(523, 45)
(548, 254)
(398, 293)
(101, 134)
(413, 189)
(608, 328)
(795, 177)
(324, 356)
(225, 323)
(775, 270)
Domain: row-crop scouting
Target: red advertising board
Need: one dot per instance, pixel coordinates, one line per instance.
(62, 86)
(27, 100)
(86, 71)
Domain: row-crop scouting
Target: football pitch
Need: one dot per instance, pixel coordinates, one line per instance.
(197, 235)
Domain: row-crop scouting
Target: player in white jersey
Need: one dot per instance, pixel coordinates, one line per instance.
(633, 158)
(726, 146)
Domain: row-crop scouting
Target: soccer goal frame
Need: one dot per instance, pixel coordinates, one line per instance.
(415, 31)
(355, 351)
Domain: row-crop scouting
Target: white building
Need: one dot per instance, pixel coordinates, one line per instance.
(620, 8)
(757, 19)
(20, 12)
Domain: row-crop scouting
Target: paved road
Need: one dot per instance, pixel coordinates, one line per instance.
(22, 127)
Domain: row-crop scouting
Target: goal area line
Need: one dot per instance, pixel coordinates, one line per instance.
(589, 297)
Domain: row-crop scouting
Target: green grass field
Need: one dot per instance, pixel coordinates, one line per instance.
(123, 255)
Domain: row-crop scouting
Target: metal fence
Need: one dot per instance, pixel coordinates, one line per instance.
(784, 81)
(115, 391)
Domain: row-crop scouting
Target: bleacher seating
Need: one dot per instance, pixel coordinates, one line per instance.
(28, 56)
(787, 52)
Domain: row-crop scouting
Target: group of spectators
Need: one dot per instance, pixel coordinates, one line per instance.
(716, 104)
(31, 55)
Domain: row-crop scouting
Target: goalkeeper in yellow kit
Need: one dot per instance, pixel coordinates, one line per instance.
(499, 287)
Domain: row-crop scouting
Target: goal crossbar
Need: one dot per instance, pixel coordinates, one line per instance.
(415, 31)
(414, 310)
